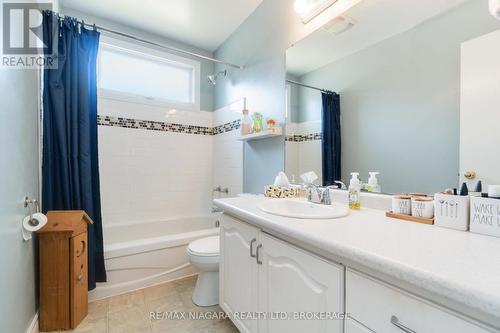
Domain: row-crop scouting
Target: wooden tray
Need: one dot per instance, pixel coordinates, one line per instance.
(409, 218)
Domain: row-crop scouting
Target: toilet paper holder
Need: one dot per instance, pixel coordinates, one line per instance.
(32, 202)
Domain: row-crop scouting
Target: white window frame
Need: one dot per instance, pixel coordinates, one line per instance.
(155, 55)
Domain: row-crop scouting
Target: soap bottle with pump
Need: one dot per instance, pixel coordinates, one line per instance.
(354, 191)
(373, 185)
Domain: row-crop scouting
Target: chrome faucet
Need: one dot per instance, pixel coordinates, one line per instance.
(323, 194)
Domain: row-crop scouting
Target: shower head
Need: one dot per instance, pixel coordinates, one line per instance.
(213, 78)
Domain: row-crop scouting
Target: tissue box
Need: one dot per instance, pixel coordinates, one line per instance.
(485, 216)
(451, 211)
(281, 192)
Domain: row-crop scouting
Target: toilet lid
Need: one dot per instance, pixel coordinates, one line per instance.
(205, 247)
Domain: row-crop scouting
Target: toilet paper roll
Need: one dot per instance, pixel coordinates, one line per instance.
(33, 223)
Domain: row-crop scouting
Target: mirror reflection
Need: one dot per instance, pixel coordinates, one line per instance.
(373, 94)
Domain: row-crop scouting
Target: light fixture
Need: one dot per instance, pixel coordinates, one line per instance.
(300, 6)
(309, 9)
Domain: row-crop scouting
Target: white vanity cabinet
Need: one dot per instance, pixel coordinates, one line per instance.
(260, 274)
(276, 278)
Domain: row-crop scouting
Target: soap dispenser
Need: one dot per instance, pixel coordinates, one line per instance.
(354, 191)
(373, 185)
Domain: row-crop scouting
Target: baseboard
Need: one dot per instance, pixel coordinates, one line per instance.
(33, 327)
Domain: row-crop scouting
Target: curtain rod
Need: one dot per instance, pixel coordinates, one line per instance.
(307, 86)
(170, 48)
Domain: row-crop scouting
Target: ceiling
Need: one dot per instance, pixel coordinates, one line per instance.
(375, 20)
(202, 23)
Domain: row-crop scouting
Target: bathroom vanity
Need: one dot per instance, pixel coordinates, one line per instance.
(387, 275)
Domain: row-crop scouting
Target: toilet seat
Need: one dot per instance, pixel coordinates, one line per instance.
(205, 247)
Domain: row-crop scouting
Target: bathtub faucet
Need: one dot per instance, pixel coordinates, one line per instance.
(219, 189)
(216, 209)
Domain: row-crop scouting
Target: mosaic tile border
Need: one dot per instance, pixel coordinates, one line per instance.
(166, 127)
(303, 137)
(227, 127)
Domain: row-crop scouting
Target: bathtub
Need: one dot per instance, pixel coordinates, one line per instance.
(143, 254)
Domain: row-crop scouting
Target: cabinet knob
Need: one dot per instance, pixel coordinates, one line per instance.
(79, 278)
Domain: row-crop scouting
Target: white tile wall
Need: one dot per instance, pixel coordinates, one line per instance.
(117, 108)
(154, 175)
(227, 154)
(306, 127)
(292, 161)
(303, 156)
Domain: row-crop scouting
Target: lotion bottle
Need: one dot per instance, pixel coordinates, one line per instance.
(354, 191)
(373, 185)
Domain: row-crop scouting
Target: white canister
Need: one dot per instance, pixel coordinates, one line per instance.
(401, 204)
(422, 207)
(494, 191)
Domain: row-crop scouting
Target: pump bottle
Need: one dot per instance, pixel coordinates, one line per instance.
(373, 185)
(354, 191)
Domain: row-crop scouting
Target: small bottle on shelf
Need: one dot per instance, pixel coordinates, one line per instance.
(245, 123)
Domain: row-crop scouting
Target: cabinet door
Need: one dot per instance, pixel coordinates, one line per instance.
(297, 283)
(79, 278)
(238, 271)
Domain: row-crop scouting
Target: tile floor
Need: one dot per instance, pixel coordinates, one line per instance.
(130, 313)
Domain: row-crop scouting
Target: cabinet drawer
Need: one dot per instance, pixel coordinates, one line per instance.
(374, 303)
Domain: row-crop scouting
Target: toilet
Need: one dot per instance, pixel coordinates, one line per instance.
(204, 255)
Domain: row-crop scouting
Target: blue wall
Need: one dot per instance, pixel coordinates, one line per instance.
(260, 44)
(407, 86)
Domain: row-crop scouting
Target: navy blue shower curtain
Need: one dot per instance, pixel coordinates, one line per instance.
(331, 145)
(70, 172)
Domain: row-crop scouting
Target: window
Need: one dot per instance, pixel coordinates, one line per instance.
(139, 74)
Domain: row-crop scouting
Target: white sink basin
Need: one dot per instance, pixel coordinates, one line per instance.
(303, 209)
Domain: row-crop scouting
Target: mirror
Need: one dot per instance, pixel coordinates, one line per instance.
(395, 80)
